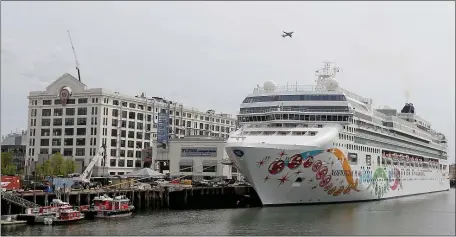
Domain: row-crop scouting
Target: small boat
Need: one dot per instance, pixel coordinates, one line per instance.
(107, 207)
(58, 212)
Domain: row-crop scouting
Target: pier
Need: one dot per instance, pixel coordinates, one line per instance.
(167, 197)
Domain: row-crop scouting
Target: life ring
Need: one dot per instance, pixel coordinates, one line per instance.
(308, 162)
(321, 172)
(317, 165)
(325, 181)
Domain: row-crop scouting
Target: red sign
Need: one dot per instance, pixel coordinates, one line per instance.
(11, 182)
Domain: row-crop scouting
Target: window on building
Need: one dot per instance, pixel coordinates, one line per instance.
(81, 131)
(138, 154)
(44, 142)
(112, 162)
(80, 151)
(57, 122)
(45, 122)
(209, 168)
(129, 163)
(47, 102)
(185, 168)
(80, 142)
(82, 111)
(68, 151)
(82, 121)
(121, 163)
(82, 101)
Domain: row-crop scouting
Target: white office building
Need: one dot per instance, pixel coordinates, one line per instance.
(69, 118)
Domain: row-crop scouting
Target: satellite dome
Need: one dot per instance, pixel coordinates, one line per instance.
(270, 85)
(331, 84)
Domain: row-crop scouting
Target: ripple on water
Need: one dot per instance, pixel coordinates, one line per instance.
(432, 214)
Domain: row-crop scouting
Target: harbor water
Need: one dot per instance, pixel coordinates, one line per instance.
(430, 214)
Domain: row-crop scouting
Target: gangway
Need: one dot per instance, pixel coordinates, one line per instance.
(18, 200)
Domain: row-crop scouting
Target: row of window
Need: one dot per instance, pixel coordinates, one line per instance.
(121, 163)
(251, 110)
(133, 106)
(271, 98)
(329, 118)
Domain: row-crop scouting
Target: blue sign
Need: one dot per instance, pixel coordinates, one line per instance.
(162, 128)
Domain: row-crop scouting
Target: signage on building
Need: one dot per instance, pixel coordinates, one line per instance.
(162, 128)
(199, 151)
(64, 95)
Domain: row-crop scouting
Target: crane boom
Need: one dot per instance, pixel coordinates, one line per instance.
(75, 58)
(85, 176)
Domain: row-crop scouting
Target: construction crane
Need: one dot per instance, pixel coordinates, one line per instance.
(75, 58)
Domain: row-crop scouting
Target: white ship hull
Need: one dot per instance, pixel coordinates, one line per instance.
(275, 181)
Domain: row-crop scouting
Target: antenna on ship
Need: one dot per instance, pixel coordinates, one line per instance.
(326, 76)
(75, 58)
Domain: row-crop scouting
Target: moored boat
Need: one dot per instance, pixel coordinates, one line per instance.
(107, 207)
(58, 212)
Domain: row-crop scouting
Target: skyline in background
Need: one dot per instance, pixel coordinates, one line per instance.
(211, 55)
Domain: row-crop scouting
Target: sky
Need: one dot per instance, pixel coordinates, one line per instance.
(210, 55)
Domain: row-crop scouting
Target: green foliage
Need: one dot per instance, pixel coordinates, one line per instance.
(58, 164)
(8, 168)
(70, 166)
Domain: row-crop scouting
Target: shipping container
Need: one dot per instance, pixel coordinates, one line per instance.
(11, 183)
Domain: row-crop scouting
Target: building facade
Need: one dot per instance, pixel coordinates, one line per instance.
(69, 118)
(194, 158)
(16, 143)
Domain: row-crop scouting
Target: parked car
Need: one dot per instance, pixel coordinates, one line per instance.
(77, 186)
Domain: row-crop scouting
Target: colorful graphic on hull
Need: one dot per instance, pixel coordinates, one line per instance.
(323, 177)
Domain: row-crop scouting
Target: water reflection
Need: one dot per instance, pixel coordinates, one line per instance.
(432, 214)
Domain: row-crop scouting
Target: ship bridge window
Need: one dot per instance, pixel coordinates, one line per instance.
(255, 99)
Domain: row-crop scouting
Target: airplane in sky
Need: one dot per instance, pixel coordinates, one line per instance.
(285, 34)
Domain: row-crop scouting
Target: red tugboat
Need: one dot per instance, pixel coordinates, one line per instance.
(106, 207)
(58, 213)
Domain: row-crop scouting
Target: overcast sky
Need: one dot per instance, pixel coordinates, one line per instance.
(210, 55)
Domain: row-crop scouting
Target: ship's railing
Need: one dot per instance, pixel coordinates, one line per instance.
(290, 87)
(355, 96)
(309, 88)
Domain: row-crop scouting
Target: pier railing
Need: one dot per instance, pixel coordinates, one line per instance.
(18, 200)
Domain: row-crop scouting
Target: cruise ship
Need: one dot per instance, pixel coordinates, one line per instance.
(321, 143)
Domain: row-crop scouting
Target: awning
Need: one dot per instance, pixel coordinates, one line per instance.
(210, 162)
(186, 162)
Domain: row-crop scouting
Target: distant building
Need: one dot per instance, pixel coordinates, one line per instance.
(16, 143)
(69, 118)
(452, 171)
(195, 158)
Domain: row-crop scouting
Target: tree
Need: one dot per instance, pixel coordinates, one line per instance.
(70, 166)
(47, 168)
(58, 164)
(8, 167)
